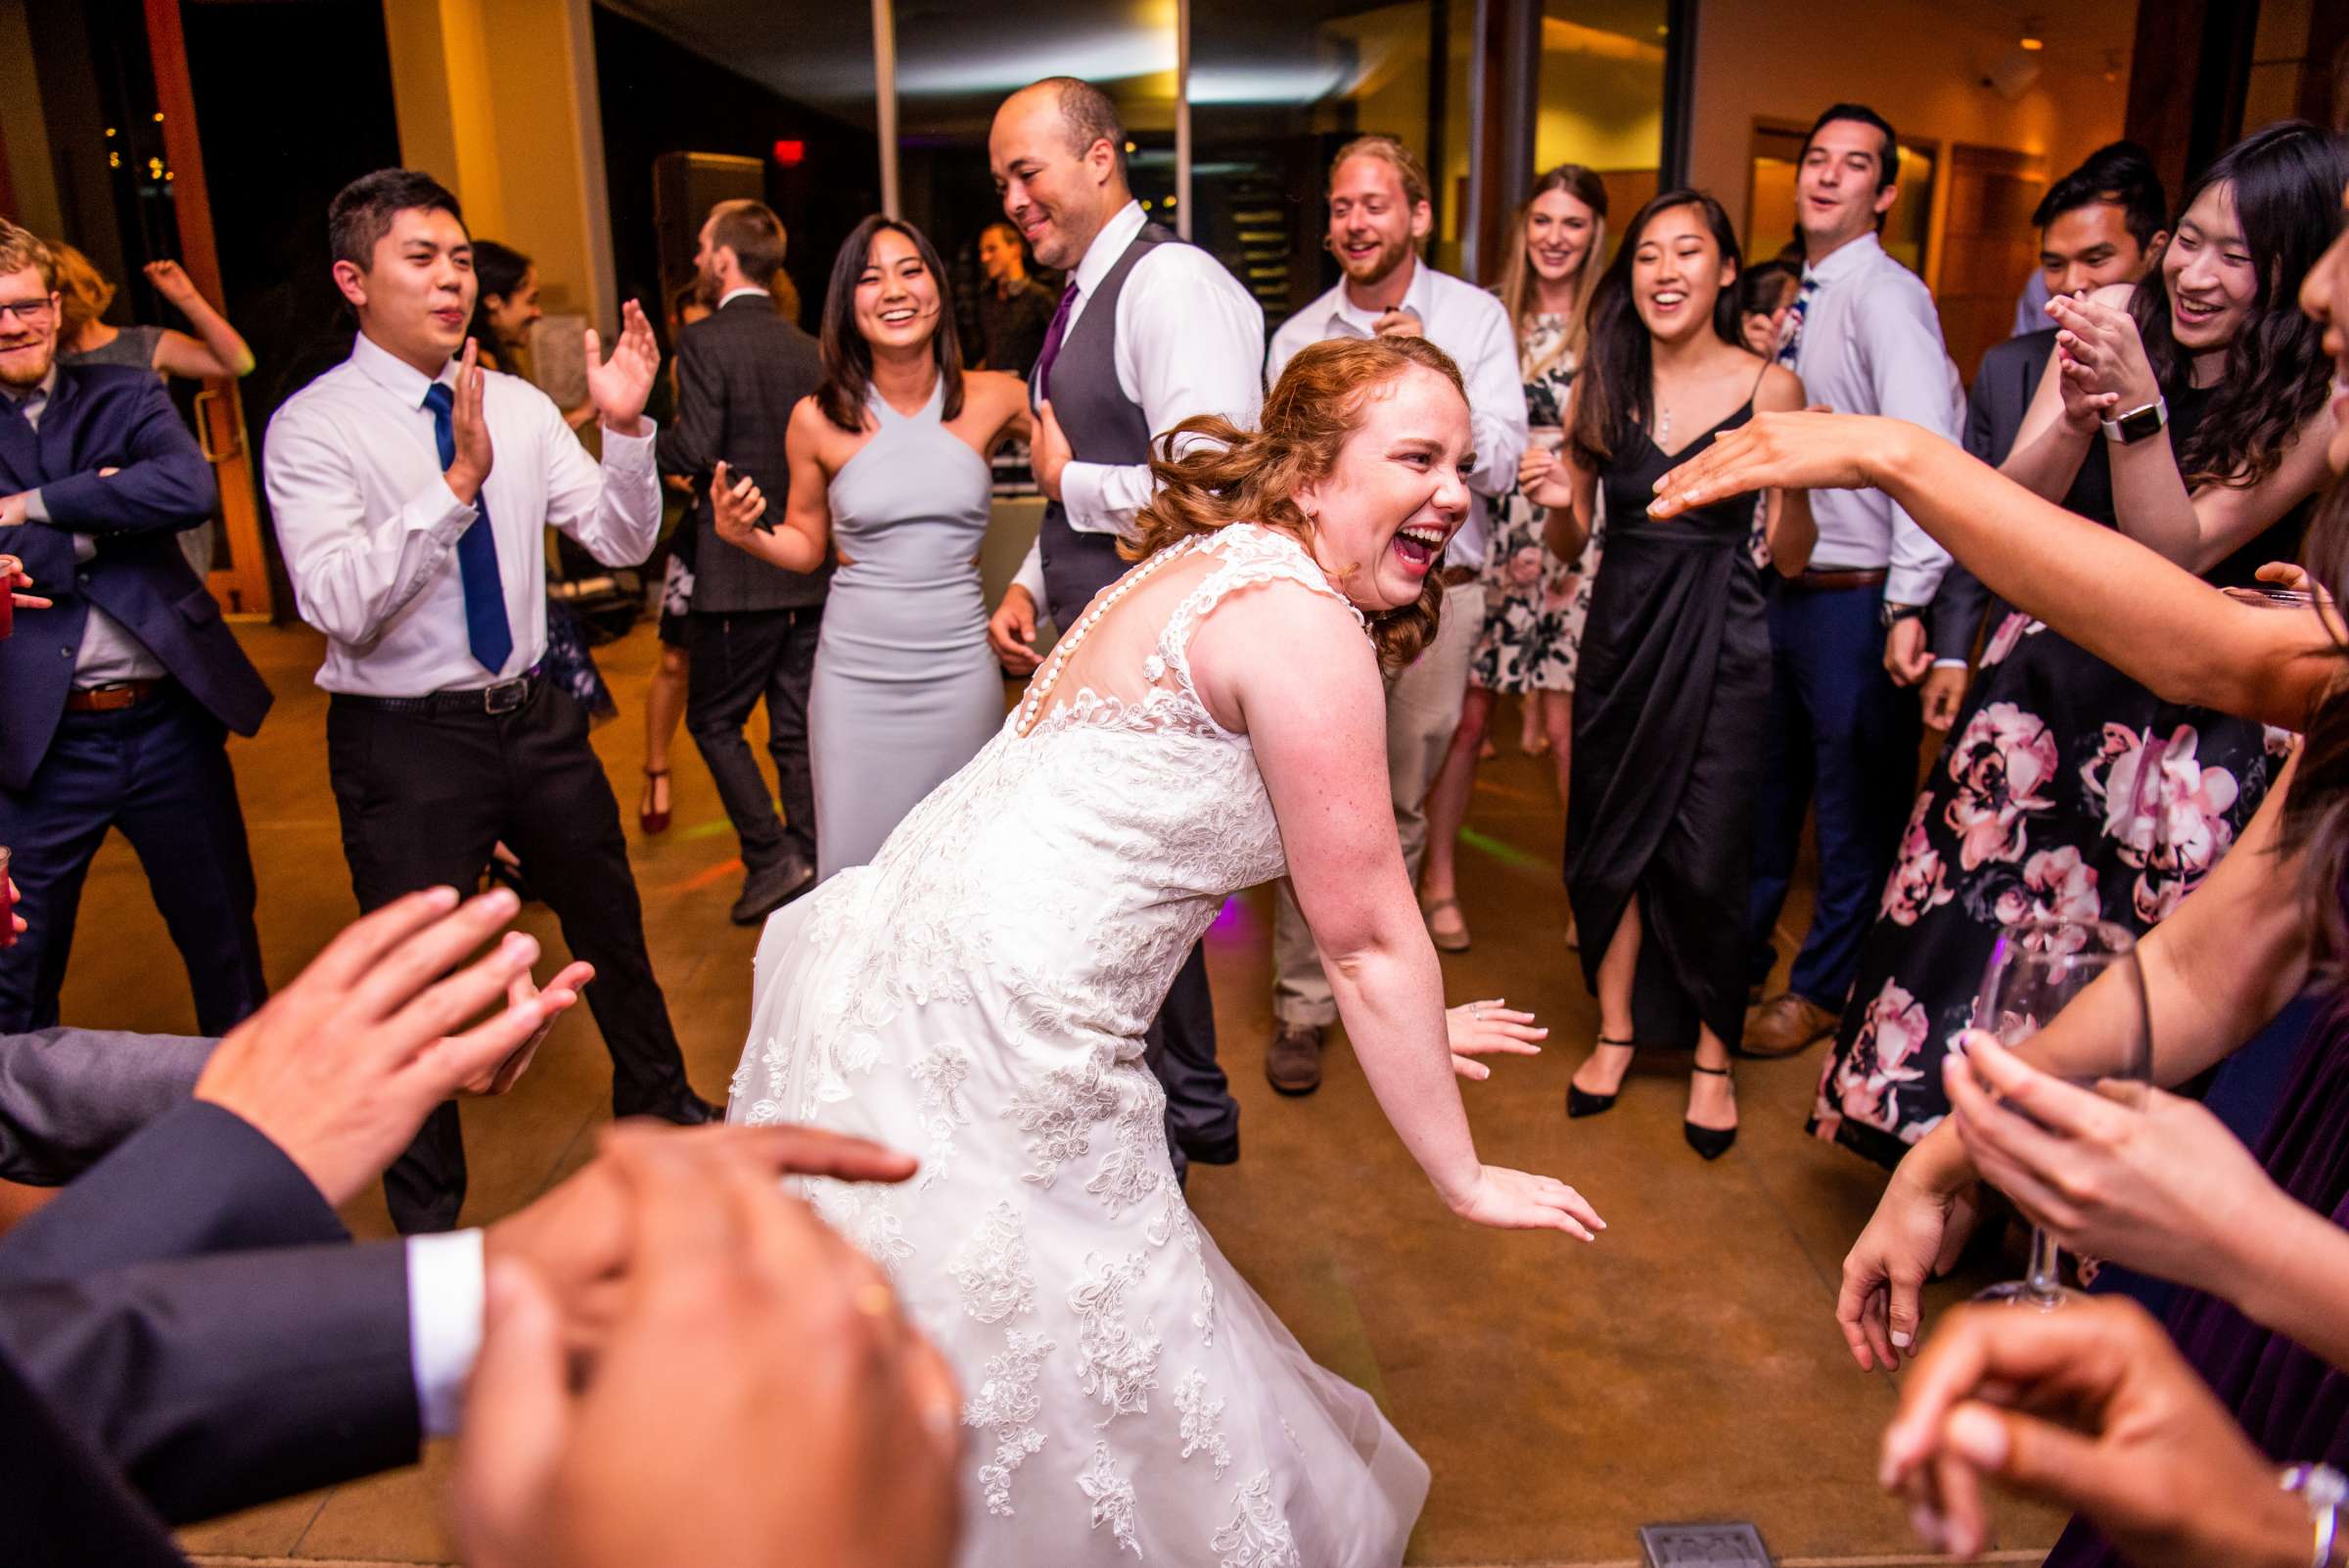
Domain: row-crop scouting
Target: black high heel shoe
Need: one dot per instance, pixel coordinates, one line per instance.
(1710, 1141)
(1580, 1103)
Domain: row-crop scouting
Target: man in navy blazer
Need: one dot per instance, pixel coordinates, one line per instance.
(115, 702)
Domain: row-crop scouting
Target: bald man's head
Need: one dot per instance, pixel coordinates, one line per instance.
(1058, 153)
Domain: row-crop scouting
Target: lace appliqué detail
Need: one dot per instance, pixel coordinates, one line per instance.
(867, 1215)
(1006, 1406)
(1120, 1366)
(1137, 1164)
(992, 1267)
(1174, 1219)
(1113, 1497)
(1059, 1111)
(1257, 1536)
(1202, 1422)
(941, 1072)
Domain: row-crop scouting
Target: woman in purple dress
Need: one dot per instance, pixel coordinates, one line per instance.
(2262, 1244)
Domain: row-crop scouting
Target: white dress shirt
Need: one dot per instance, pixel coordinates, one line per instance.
(1871, 344)
(444, 1324)
(1190, 341)
(1467, 323)
(108, 652)
(369, 524)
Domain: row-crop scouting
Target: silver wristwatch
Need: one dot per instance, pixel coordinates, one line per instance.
(2139, 423)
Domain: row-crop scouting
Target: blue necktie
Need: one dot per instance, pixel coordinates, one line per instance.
(487, 630)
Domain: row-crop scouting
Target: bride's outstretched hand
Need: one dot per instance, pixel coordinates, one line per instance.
(1810, 450)
(1490, 1027)
(1518, 1200)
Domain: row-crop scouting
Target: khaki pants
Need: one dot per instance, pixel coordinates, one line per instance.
(1423, 711)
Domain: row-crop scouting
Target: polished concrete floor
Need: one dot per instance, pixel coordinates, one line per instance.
(1686, 1366)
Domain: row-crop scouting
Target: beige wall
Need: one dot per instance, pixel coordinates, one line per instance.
(1919, 64)
(499, 99)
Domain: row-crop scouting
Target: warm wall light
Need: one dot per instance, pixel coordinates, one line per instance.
(791, 153)
(2033, 43)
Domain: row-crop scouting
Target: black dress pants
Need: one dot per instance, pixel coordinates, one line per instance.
(423, 797)
(735, 658)
(1202, 1117)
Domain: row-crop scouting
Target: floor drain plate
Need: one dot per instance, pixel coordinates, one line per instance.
(1703, 1545)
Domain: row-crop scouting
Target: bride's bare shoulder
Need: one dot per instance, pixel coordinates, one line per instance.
(1281, 642)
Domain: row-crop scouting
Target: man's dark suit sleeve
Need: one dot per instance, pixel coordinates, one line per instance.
(218, 1383)
(163, 483)
(69, 1096)
(200, 1180)
(688, 444)
(63, 1505)
(1956, 618)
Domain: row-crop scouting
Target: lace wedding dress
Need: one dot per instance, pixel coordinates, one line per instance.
(976, 994)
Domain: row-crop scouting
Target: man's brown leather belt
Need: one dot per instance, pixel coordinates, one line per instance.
(1833, 581)
(1453, 576)
(111, 697)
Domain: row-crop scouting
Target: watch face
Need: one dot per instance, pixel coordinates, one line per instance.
(2139, 423)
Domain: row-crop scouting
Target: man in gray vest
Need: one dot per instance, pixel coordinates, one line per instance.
(1149, 331)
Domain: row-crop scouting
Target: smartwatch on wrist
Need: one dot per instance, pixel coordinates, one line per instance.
(1892, 614)
(2139, 424)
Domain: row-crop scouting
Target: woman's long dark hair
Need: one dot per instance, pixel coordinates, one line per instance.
(2286, 181)
(496, 269)
(848, 357)
(1617, 392)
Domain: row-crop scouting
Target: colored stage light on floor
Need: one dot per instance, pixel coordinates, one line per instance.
(1507, 854)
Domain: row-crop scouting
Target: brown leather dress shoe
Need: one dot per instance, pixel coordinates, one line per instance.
(1294, 1063)
(1786, 1024)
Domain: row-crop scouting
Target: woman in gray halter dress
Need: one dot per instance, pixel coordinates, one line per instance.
(888, 466)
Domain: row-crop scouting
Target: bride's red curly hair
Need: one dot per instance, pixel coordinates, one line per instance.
(1242, 476)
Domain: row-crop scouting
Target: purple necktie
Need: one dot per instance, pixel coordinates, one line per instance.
(1052, 336)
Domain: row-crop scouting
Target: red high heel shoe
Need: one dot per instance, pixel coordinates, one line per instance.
(650, 820)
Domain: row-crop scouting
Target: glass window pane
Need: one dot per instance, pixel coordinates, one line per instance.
(1276, 89)
(1602, 96)
(788, 119)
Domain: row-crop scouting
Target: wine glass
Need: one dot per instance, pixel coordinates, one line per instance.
(2036, 966)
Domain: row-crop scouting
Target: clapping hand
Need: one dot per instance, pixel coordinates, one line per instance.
(2161, 1189)
(2100, 357)
(1400, 322)
(521, 994)
(735, 504)
(14, 578)
(621, 383)
(2090, 1408)
(761, 1397)
(340, 1069)
(1488, 1029)
(576, 1238)
(468, 428)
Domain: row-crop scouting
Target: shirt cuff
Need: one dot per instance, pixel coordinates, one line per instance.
(444, 1324)
(35, 509)
(628, 451)
(1081, 497)
(1949, 664)
(1910, 584)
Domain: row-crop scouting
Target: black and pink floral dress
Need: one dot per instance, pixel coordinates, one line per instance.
(2065, 789)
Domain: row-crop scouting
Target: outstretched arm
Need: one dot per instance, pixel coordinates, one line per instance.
(2123, 601)
(1293, 672)
(216, 350)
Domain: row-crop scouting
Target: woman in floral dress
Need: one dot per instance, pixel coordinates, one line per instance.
(1534, 602)
(2067, 789)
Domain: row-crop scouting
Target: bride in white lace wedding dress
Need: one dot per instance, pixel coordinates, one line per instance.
(977, 994)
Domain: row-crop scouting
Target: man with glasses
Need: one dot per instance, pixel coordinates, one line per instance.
(116, 700)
